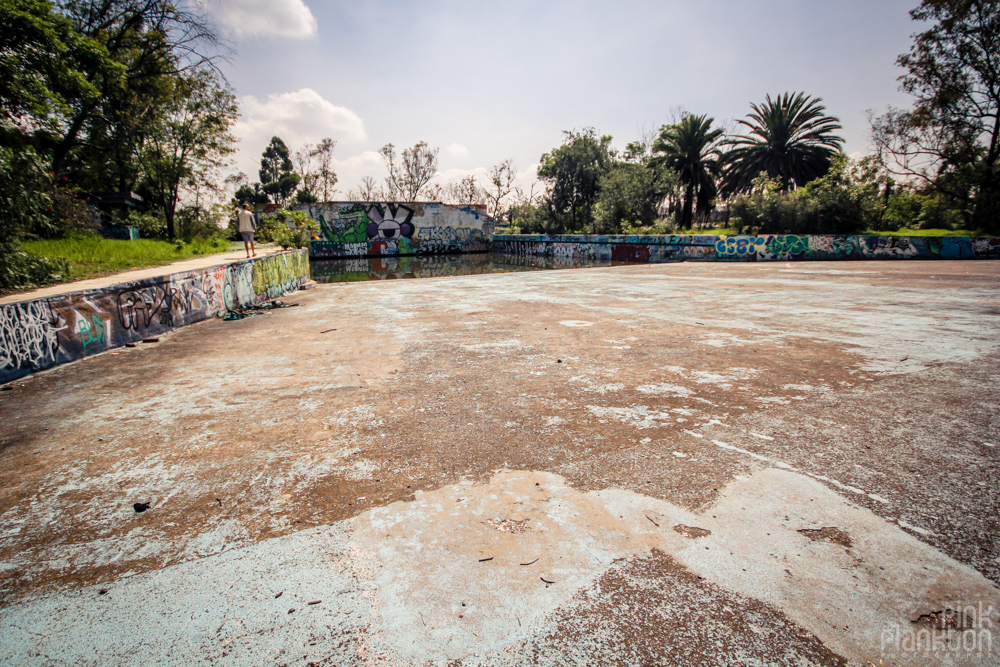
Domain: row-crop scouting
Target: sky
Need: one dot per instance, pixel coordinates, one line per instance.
(489, 80)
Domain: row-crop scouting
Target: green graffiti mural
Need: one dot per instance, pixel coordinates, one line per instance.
(787, 244)
(350, 226)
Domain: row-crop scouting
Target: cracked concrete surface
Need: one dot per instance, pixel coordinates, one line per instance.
(673, 464)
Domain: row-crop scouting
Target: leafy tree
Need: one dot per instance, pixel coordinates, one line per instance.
(192, 136)
(949, 141)
(630, 196)
(692, 149)
(573, 172)
(250, 194)
(410, 172)
(790, 138)
(144, 40)
(44, 65)
(277, 180)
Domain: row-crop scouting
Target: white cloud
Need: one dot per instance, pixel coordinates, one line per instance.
(456, 151)
(299, 118)
(281, 18)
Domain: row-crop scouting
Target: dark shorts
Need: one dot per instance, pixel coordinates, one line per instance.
(247, 237)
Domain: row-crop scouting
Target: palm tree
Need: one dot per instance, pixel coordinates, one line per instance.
(692, 149)
(790, 138)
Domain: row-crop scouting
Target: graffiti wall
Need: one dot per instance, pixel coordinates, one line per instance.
(769, 247)
(358, 229)
(46, 332)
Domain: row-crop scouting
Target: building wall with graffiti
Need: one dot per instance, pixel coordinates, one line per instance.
(42, 333)
(769, 247)
(359, 229)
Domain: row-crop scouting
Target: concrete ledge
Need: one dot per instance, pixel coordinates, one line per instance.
(45, 332)
(765, 247)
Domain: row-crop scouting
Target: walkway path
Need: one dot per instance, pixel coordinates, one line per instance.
(200, 262)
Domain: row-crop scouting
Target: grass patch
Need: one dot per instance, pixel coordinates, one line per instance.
(923, 232)
(92, 256)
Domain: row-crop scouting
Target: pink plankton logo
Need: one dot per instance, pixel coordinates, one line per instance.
(955, 629)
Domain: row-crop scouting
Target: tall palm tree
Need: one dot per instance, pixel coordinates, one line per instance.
(692, 149)
(789, 137)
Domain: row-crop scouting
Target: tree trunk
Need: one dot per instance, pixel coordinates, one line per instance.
(688, 201)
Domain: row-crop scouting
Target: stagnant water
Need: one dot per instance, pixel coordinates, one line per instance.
(431, 266)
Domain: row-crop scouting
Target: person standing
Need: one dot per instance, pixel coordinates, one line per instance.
(247, 227)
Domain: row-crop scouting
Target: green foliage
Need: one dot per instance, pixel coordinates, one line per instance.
(25, 193)
(844, 201)
(629, 196)
(932, 210)
(277, 180)
(949, 142)
(691, 149)
(150, 224)
(199, 222)
(47, 66)
(250, 194)
(573, 171)
(20, 268)
(790, 138)
(289, 229)
(190, 139)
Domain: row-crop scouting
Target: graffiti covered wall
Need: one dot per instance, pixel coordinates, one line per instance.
(46, 332)
(357, 229)
(767, 247)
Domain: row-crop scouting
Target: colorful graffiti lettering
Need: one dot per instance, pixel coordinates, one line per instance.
(91, 333)
(46, 332)
(780, 247)
(739, 246)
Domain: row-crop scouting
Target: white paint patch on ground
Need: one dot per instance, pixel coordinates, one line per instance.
(461, 572)
(640, 416)
(665, 389)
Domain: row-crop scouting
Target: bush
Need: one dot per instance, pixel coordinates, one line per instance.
(921, 211)
(198, 222)
(20, 268)
(289, 229)
(149, 224)
(844, 201)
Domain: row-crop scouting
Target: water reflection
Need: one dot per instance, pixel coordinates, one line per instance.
(432, 266)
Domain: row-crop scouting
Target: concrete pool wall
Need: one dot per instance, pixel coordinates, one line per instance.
(764, 247)
(41, 333)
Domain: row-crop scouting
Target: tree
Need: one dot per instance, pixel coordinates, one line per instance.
(949, 142)
(502, 185)
(326, 177)
(790, 138)
(190, 139)
(465, 190)
(630, 195)
(142, 40)
(409, 173)
(44, 63)
(277, 180)
(573, 171)
(692, 149)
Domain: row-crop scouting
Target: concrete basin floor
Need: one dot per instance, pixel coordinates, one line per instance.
(684, 464)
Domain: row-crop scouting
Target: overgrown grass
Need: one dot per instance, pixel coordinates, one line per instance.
(92, 256)
(924, 232)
